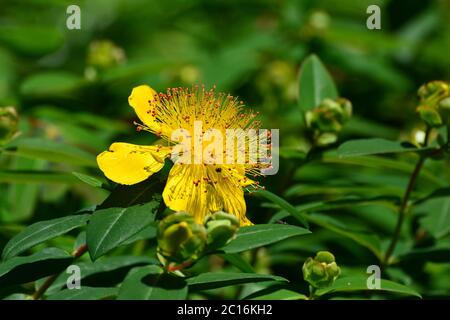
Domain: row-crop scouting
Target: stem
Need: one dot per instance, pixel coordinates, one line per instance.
(402, 211)
(312, 292)
(404, 204)
(49, 281)
(41, 290)
(80, 251)
(181, 266)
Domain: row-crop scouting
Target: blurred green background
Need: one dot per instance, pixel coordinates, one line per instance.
(70, 88)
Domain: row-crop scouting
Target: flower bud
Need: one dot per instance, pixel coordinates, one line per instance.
(444, 108)
(330, 115)
(327, 119)
(180, 238)
(221, 228)
(104, 54)
(430, 116)
(325, 256)
(321, 271)
(445, 103)
(346, 108)
(326, 138)
(435, 103)
(433, 91)
(9, 120)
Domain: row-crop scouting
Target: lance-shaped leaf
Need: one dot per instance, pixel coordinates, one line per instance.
(315, 84)
(109, 228)
(19, 270)
(40, 232)
(261, 235)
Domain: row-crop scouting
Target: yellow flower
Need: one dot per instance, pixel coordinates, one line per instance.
(199, 188)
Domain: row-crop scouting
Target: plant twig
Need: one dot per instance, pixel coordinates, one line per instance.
(181, 266)
(49, 281)
(404, 204)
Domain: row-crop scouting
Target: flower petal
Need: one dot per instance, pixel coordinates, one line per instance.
(143, 99)
(202, 190)
(126, 163)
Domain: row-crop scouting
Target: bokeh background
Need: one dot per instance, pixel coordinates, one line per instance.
(70, 87)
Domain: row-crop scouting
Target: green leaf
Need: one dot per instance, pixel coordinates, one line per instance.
(436, 218)
(438, 193)
(367, 240)
(292, 153)
(359, 283)
(50, 83)
(278, 294)
(213, 280)
(7, 76)
(261, 235)
(143, 192)
(84, 293)
(364, 147)
(148, 232)
(25, 269)
(360, 126)
(94, 182)
(80, 119)
(109, 228)
(20, 199)
(151, 283)
(38, 148)
(40, 232)
(33, 40)
(239, 262)
(109, 270)
(283, 204)
(315, 84)
(36, 176)
(385, 163)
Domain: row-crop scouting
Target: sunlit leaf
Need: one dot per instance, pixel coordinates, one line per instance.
(109, 228)
(315, 84)
(25, 269)
(212, 280)
(40, 232)
(365, 147)
(350, 284)
(261, 235)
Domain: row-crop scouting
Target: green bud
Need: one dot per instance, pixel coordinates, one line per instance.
(430, 115)
(318, 271)
(333, 270)
(325, 139)
(445, 104)
(105, 54)
(444, 110)
(321, 271)
(221, 228)
(325, 256)
(346, 109)
(9, 121)
(328, 119)
(433, 91)
(180, 238)
(310, 119)
(435, 103)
